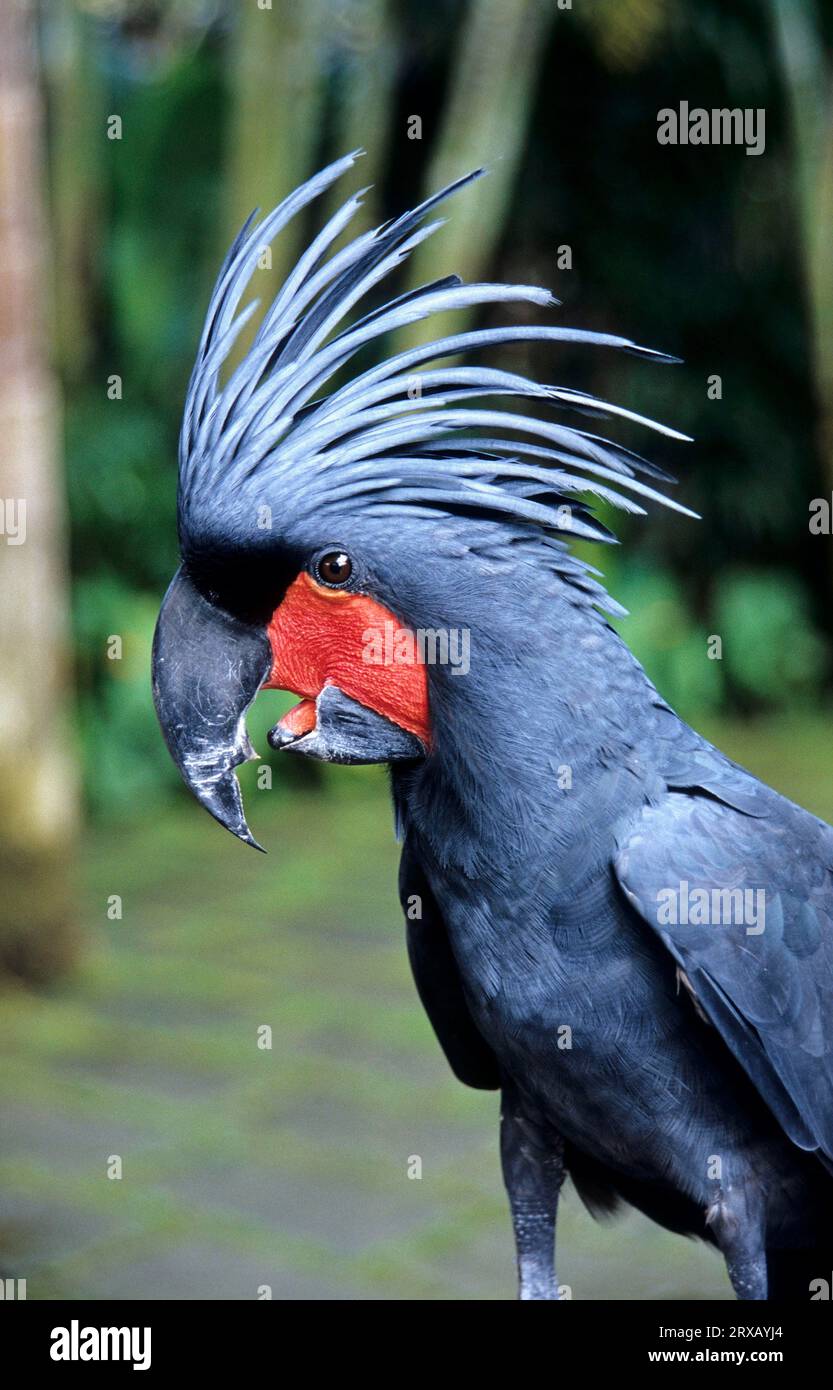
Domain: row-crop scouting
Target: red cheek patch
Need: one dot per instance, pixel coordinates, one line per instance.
(333, 637)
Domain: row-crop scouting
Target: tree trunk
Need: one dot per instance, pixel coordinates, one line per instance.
(809, 86)
(499, 50)
(76, 119)
(364, 39)
(276, 84)
(38, 798)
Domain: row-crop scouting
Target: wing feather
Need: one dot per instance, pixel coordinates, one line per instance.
(728, 849)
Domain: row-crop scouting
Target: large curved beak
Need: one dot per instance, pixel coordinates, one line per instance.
(207, 669)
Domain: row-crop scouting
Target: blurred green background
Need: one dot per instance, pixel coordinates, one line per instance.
(140, 948)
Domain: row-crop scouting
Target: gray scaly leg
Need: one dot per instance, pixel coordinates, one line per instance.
(736, 1218)
(533, 1171)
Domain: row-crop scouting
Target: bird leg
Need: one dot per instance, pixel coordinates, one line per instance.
(739, 1233)
(533, 1171)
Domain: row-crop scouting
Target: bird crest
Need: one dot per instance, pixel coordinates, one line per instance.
(413, 433)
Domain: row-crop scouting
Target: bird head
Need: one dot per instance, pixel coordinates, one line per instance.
(324, 527)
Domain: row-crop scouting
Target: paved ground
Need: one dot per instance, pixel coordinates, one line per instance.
(286, 1167)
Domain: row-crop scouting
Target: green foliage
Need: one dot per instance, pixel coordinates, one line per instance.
(122, 478)
(671, 645)
(771, 650)
(758, 648)
(126, 765)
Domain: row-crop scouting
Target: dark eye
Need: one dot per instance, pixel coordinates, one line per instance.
(334, 568)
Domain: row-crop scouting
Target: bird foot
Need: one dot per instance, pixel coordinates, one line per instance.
(536, 1284)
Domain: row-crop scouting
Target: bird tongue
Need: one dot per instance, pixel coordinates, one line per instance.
(300, 719)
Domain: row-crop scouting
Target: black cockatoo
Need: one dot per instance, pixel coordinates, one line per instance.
(609, 920)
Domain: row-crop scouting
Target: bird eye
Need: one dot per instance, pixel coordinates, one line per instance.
(334, 568)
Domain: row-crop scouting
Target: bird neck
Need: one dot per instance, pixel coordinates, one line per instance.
(529, 744)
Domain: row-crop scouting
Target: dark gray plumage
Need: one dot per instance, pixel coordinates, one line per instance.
(561, 807)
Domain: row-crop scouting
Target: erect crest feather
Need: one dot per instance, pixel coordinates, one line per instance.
(268, 434)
